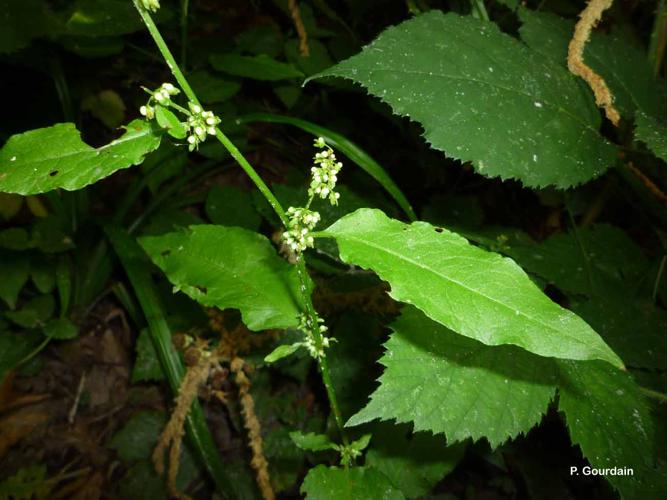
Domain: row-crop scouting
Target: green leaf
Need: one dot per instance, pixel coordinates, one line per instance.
(282, 351)
(353, 483)
(446, 383)
(339, 142)
(653, 133)
(212, 89)
(484, 97)
(135, 441)
(61, 329)
(147, 364)
(230, 267)
(362, 443)
(14, 348)
(476, 293)
(616, 57)
(28, 483)
(311, 441)
(55, 157)
(413, 464)
(14, 269)
(229, 206)
(318, 59)
(23, 20)
(106, 18)
(633, 328)
(43, 274)
(34, 313)
(169, 121)
(609, 418)
(261, 67)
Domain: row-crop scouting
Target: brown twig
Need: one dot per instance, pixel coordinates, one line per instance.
(295, 12)
(649, 184)
(588, 19)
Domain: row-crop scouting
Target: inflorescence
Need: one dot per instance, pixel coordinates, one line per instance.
(306, 326)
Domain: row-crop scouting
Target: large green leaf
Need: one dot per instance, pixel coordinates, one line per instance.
(55, 157)
(609, 418)
(353, 483)
(446, 383)
(476, 293)
(616, 57)
(23, 20)
(260, 67)
(653, 133)
(230, 267)
(413, 463)
(483, 96)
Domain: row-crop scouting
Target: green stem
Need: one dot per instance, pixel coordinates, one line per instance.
(479, 10)
(189, 93)
(658, 278)
(184, 32)
(656, 51)
(322, 361)
(659, 396)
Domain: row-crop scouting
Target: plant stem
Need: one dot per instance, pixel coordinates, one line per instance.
(322, 361)
(189, 93)
(656, 51)
(270, 197)
(479, 10)
(184, 32)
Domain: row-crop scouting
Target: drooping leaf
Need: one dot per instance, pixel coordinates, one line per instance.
(484, 97)
(14, 270)
(446, 383)
(282, 351)
(476, 293)
(413, 463)
(55, 157)
(14, 348)
(353, 483)
(609, 418)
(311, 441)
(61, 329)
(653, 133)
(170, 122)
(229, 206)
(621, 61)
(34, 313)
(230, 267)
(261, 67)
(339, 142)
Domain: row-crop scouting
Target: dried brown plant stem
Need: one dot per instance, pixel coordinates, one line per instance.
(588, 19)
(174, 430)
(252, 425)
(295, 12)
(649, 184)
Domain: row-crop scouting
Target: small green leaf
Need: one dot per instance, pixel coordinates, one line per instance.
(476, 293)
(107, 106)
(212, 89)
(34, 313)
(230, 206)
(349, 483)
(311, 441)
(485, 97)
(61, 329)
(147, 364)
(446, 383)
(15, 270)
(230, 267)
(14, 348)
(261, 67)
(43, 274)
(413, 463)
(610, 419)
(653, 133)
(136, 440)
(169, 121)
(56, 157)
(282, 351)
(362, 443)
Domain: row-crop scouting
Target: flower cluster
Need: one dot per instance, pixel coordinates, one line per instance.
(301, 222)
(151, 5)
(200, 125)
(306, 326)
(325, 173)
(161, 96)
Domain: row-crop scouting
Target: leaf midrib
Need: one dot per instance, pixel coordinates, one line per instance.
(475, 292)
